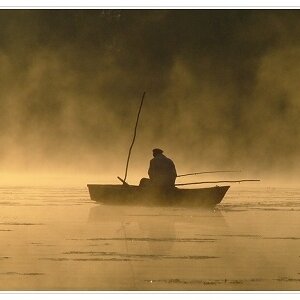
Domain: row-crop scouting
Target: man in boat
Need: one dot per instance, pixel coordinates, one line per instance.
(162, 171)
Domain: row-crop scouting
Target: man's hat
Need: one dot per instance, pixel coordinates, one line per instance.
(157, 151)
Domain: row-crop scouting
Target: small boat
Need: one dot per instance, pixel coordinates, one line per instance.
(142, 196)
(125, 194)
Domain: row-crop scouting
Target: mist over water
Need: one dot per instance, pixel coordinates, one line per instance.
(57, 239)
(221, 90)
(221, 93)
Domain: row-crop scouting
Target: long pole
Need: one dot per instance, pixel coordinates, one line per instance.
(202, 182)
(208, 172)
(134, 136)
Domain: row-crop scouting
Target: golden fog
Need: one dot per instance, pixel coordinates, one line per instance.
(221, 93)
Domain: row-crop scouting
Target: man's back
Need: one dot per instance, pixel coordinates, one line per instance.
(162, 171)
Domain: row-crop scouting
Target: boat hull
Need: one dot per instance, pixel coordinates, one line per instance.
(135, 195)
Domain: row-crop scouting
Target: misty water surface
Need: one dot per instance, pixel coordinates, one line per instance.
(58, 239)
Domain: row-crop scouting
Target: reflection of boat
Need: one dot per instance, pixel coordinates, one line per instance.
(156, 230)
(135, 195)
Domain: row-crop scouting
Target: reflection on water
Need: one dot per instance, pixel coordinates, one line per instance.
(58, 239)
(160, 227)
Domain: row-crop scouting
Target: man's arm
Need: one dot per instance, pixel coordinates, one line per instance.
(173, 167)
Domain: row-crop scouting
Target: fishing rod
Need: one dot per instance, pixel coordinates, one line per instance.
(133, 140)
(202, 182)
(207, 172)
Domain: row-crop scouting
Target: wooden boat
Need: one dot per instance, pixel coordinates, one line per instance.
(135, 195)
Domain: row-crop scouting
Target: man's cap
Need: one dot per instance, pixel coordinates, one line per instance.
(157, 151)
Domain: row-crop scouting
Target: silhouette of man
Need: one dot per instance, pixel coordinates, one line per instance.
(162, 171)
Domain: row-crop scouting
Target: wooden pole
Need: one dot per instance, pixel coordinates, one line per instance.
(134, 136)
(202, 182)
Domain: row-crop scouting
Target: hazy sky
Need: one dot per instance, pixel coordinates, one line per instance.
(221, 88)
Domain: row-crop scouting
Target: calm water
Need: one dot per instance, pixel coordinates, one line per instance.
(58, 239)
